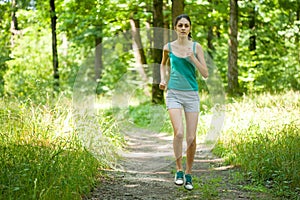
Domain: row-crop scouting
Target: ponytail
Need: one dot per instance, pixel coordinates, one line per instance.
(190, 36)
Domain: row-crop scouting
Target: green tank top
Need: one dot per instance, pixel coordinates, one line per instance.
(182, 73)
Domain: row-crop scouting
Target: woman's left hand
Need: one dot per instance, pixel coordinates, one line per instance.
(190, 54)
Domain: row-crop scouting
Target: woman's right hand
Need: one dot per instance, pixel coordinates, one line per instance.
(162, 85)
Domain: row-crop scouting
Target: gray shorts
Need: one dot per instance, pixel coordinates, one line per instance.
(188, 100)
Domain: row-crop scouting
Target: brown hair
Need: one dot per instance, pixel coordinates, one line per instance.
(185, 16)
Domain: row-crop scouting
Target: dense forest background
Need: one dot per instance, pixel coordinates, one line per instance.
(59, 60)
(267, 42)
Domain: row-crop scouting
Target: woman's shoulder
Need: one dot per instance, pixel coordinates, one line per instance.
(170, 45)
(167, 46)
(198, 46)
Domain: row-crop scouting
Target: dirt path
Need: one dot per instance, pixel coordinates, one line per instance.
(147, 172)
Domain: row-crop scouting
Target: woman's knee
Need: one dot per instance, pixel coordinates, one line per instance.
(191, 141)
(178, 135)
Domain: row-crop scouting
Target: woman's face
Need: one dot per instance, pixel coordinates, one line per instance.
(183, 27)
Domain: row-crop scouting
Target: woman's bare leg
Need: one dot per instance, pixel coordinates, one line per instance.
(176, 119)
(191, 128)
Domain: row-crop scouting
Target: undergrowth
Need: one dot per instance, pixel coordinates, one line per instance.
(262, 137)
(43, 155)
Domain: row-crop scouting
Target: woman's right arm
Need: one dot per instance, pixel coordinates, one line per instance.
(164, 68)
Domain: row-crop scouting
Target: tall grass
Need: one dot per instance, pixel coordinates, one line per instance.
(42, 155)
(262, 136)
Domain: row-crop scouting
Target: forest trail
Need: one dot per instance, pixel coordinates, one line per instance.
(147, 172)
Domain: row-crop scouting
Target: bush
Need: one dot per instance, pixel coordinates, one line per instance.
(42, 156)
(261, 135)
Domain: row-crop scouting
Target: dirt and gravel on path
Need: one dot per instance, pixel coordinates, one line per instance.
(147, 172)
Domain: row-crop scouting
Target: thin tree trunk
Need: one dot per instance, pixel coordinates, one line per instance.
(297, 36)
(158, 23)
(177, 9)
(210, 35)
(98, 55)
(149, 35)
(298, 18)
(54, 46)
(14, 22)
(233, 85)
(167, 22)
(252, 39)
(137, 46)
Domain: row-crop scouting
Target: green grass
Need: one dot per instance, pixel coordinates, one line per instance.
(149, 116)
(208, 188)
(262, 136)
(42, 154)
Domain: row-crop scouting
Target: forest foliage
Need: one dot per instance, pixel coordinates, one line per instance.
(40, 142)
(26, 57)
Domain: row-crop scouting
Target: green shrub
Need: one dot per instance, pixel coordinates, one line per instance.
(262, 136)
(42, 155)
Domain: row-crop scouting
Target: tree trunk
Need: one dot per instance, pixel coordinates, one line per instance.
(167, 23)
(177, 9)
(233, 85)
(210, 35)
(210, 45)
(149, 35)
(98, 55)
(158, 23)
(54, 46)
(297, 36)
(14, 22)
(252, 39)
(137, 46)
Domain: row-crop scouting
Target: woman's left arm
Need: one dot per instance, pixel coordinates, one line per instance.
(199, 61)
